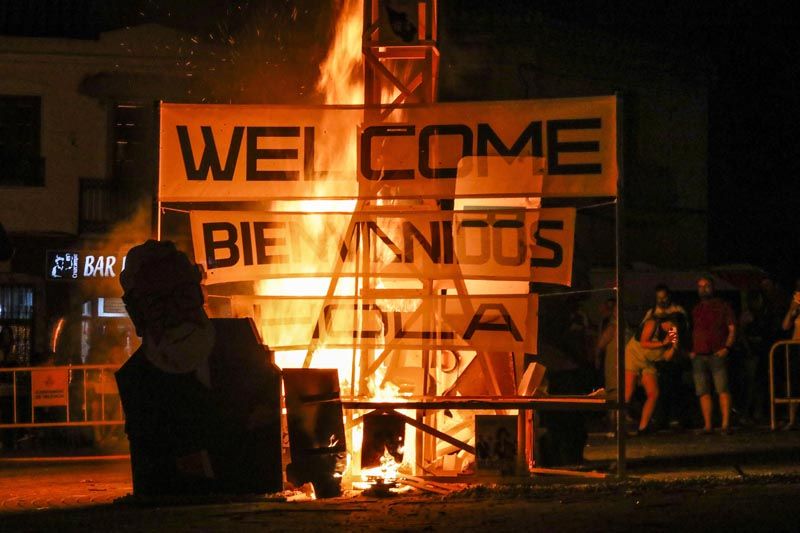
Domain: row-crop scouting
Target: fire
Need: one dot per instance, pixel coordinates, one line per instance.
(341, 82)
(388, 473)
(389, 467)
(341, 78)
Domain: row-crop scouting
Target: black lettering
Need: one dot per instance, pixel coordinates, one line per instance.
(211, 245)
(531, 134)
(247, 245)
(547, 244)
(344, 251)
(554, 147)
(262, 242)
(384, 321)
(210, 157)
(345, 248)
(425, 144)
(483, 238)
(305, 241)
(327, 317)
(254, 153)
(400, 331)
(372, 227)
(432, 248)
(490, 325)
(447, 244)
(309, 172)
(517, 225)
(366, 153)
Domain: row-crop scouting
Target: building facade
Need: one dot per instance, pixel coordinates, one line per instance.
(78, 168)
(79, 139)
(492, 55)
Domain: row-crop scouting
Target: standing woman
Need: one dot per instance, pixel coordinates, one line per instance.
(657, 341)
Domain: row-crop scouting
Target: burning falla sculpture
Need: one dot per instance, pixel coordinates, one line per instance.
(201, 398)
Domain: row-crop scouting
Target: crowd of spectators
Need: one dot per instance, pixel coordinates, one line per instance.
(677, 362)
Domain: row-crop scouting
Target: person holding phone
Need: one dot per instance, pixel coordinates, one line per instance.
(657, 341)
(792, 319)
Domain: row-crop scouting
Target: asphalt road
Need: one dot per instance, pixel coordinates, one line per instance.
(744, 482)
(702, 506)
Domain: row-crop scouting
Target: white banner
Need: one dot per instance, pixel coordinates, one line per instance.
(486, 244)
(481, 323)
(554, 246)
(559, 147)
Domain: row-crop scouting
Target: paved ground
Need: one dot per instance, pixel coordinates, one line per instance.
(762, 507)
(749, 481)
(663, 456)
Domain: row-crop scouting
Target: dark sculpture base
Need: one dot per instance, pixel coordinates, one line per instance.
(189, 439)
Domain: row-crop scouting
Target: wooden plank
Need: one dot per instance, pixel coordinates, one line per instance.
(565, 472)
(468, 403)
(433, 431)
(423, 486)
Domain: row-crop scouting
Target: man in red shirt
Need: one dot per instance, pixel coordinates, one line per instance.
(714, 331)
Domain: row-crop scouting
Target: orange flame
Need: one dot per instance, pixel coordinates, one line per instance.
(341, 78)
(341, 82)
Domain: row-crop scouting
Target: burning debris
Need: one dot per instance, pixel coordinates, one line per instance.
(316, 432)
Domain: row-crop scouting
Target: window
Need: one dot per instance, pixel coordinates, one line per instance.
(130, 136)
(16, 323)
(20, 123)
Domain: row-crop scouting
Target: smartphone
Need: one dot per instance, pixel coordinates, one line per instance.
(673, 334)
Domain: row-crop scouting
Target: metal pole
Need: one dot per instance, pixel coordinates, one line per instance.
(772, 388)
(14, 393)
(158, 218)
(102, 395)
(69, 380)
(788, 379)
(620, 264)
(85, 405)
(158, 175)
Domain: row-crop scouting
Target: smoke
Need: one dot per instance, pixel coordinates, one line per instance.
(127, 233)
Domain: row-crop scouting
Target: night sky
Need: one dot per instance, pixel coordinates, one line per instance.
(754, 96)
(754, 93)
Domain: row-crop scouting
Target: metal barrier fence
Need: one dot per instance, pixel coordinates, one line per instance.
(59, 396)
(788, 399)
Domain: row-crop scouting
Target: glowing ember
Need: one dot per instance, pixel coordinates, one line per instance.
(389, 467)
(386, 474)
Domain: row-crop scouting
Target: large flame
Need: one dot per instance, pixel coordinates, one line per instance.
(341, 79)
(341, 82)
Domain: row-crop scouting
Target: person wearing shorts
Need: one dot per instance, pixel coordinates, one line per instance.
(714, 331)
(657, 341)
